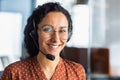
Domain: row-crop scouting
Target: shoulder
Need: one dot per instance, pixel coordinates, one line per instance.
(17, 69)
(21, 63)
(73, 64)
(18, 66)
(75, 68)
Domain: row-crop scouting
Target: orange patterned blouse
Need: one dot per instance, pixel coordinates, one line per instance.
(29, 69)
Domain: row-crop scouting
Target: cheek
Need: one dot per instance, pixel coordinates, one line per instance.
(64, 42)
(65, 39)
(41, 40)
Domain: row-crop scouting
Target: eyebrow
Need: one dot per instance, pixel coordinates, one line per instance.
(53, 26)
(46, 25)
(63, 26)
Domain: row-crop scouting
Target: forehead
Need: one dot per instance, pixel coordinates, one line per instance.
(54, 19)
(55, 14)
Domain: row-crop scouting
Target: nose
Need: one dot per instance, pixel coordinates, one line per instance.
(55, 36)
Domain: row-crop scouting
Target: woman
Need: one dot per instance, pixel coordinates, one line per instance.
(48, 30)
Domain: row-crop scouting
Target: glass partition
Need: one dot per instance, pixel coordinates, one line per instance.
(105, 38)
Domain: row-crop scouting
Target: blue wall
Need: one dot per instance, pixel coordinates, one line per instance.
(21, 6)
(24, 7)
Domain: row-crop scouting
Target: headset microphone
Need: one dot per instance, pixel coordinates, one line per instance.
(48, 56)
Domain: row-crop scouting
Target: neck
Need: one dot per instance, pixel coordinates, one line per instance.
(46, 63)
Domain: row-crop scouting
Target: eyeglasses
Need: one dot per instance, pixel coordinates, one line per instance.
(48, 31)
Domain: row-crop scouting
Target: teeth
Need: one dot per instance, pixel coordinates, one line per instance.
(53, 46)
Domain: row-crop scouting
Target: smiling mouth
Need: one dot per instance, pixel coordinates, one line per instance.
(54, 46)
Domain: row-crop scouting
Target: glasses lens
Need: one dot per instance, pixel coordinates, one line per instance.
(47, 29)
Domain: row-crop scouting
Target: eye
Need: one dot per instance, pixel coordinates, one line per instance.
(63, 31)
(47, 28)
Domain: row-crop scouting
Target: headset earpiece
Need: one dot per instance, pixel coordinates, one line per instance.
(69, 32)
(32, 34)
(34, 37)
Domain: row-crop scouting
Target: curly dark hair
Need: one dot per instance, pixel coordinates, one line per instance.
(38, 14)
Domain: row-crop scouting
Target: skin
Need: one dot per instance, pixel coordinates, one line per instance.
(54, 43)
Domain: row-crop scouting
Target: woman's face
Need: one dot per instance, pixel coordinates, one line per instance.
(53, 33)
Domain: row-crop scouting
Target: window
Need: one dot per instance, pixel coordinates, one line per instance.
(10, 36)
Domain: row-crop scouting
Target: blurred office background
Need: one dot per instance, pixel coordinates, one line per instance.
(95, 42)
